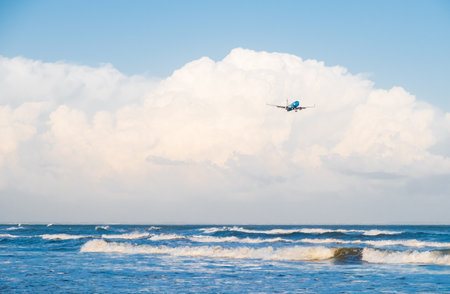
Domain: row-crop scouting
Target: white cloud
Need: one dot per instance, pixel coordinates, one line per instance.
(91, 89)
(205, 136)
(16, 125)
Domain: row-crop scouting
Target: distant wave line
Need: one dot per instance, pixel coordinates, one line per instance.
(8, 236)
(373, 232)
(380, 243)
(15, 228)
(413, 243)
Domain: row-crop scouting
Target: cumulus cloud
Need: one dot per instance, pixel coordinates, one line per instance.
(206, 132)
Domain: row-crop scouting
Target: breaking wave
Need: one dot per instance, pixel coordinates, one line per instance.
(295, 253)
(439, 257)
(63, 237)
(105, 228)
(128, 236)
(153, 228)
(372, 232)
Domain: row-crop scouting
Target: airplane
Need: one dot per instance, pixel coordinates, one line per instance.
(293, 106)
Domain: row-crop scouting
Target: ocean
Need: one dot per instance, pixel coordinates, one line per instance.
(224, 259)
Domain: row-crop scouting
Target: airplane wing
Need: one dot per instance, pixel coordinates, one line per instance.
(279, 106)
(304, 107)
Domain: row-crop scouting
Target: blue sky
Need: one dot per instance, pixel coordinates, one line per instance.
(127, 111)
(398, 43)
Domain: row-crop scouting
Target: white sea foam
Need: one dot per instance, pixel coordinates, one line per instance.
(163, 237)
(63, 237)
(266, 253)
(128, 236)
(402, 257)
(301, 230)
(7, 236)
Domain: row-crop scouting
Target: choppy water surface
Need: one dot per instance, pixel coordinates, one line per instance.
(224, 259)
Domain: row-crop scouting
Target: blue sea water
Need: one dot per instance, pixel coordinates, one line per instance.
(224, 259)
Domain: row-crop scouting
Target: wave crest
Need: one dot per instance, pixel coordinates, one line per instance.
(164, 237)
(153, 228)
(380, 232)
(105, 228)
(128, 236)
(7, 236)
(63, 237)
(19, 227)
